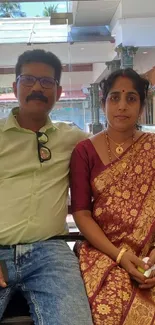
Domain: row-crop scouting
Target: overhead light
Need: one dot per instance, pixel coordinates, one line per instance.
(145, 52)
(82, 48)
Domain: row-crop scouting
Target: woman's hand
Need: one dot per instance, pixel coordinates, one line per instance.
(150, 282)
(130, 262)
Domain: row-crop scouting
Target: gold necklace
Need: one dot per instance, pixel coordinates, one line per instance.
(119, 146)
(124, 164)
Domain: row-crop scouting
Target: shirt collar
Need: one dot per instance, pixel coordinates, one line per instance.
(11, 123)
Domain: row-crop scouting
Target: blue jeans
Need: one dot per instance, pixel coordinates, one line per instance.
(48, 275)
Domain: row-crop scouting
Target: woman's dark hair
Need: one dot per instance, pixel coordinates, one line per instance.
(140, 84)
(42, 57)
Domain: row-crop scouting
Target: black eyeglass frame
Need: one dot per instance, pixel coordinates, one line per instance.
(37, 79)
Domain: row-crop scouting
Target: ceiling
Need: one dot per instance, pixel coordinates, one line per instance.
(68, 54)
(144, 59)
(96, 12)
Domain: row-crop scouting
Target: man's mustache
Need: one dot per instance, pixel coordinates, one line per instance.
(37, 95)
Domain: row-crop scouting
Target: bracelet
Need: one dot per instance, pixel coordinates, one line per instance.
(121, 253)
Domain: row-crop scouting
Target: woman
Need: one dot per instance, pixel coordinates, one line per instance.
(113, 202)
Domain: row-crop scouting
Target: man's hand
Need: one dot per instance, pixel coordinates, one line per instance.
(2, 281)
(130, 262)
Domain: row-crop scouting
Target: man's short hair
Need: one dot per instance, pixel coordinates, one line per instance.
(40, 56)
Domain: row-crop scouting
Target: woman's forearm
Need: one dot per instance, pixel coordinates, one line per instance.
(94, 234)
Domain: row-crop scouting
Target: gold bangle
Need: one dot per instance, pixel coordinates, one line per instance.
(121, 253)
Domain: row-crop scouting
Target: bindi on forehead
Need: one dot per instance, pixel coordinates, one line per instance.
(123, 90)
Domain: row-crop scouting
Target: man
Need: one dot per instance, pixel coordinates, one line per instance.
(34, 166)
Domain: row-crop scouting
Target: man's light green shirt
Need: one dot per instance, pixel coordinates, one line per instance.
(33, 195)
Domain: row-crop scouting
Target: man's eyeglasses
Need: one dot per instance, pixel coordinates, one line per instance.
(29, 81)
(44, 153)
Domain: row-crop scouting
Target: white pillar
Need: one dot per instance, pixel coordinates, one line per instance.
(134, 23)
